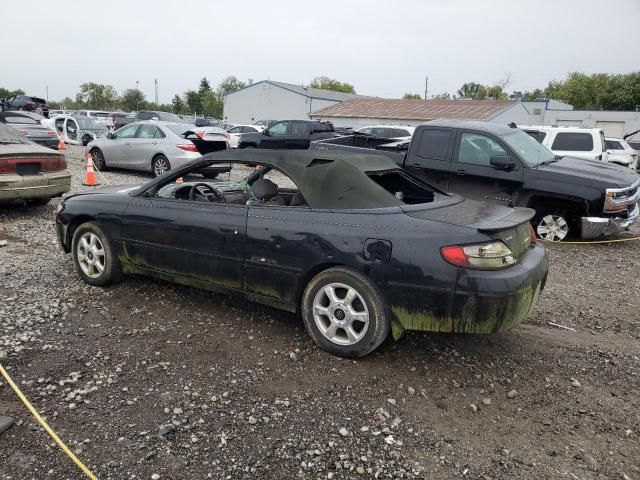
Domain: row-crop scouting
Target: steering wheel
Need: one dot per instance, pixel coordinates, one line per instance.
(205, 190)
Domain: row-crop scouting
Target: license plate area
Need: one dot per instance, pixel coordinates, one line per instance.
(28, 168)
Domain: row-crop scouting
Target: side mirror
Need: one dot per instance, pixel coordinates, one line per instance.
(503, 162)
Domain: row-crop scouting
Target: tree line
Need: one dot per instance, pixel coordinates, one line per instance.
(598, 91)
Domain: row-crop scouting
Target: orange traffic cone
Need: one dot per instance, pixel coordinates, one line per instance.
(90, 179)
(61, 145)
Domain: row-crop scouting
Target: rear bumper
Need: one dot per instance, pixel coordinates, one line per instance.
(594, 227)
(43, 185)
(483, 301)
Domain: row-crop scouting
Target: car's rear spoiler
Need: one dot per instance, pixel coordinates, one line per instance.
(514, 218)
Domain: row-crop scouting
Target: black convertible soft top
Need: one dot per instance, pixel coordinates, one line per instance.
(326, 180)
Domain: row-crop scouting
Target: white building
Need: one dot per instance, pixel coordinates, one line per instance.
(269, 100)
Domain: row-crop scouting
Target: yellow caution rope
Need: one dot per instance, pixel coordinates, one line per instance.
(593, 242)
(44, 425)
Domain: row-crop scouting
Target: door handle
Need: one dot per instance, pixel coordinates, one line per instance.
(461, 173)
(229, 229)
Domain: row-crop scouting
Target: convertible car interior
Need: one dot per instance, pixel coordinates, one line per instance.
(256, 189)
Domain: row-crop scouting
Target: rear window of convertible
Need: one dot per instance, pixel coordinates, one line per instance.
(402, 186)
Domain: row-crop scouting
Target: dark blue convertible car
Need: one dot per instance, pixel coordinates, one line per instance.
(355, 244)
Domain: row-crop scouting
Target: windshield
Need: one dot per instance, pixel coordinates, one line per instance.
(180, 128)
(168, 117)
(528, 149)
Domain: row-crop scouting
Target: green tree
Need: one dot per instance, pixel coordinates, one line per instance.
(532, 95)
(229, 84)
(412, 96)
(177, 104)
(496, 92)
(442, 96)
(132, 99)
(96, 95)
(327, 83)
(193, 101)
(211, 105)
(4, 93)
(204, 87)
(473, 90)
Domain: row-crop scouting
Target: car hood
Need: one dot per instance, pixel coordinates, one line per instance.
(111, 189)
(591, 172)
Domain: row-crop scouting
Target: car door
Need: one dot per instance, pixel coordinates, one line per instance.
(144, 145)
(300, 135)
(196, 242)
(474, 177)
(117, 151)
(71, 130)
(275, 136)
(430, 156)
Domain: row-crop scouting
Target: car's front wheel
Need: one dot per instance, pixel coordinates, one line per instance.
(344, 313)
(98, 159)
(93, 256)
(160, 165)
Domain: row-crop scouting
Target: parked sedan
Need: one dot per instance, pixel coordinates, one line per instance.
(29, 171)
(157, 147)
(355, 244)
(235, 133)
(28, 125)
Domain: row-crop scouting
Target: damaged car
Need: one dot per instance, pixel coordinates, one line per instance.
(356, 245)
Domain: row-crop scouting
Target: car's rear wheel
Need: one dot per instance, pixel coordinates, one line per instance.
(98, 159)
(86, 139)
(344, 313)
(93, 256)
(160, 165)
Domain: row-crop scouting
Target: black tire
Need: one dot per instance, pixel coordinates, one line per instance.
(157, 162)
(112, 270)
(369, 299)
(210, 175)
(98, 159)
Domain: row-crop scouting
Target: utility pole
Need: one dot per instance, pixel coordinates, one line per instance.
(156, 80)
(426, 86)
(137, 96)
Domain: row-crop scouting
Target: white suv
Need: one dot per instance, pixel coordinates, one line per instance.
(620, 152)
(585, 143)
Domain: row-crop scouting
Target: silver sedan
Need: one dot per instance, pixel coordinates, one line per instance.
(155, 147)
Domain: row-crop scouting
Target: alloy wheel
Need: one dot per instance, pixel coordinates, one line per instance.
(341, 314)
(160, 166)
(552, 227)
(91, 255)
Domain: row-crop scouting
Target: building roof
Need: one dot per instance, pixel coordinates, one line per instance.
(416, 109)
(315, 93)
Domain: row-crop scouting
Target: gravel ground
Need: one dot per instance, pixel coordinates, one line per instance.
(148, 380)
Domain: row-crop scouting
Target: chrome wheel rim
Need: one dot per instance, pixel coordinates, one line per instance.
(90, 254)
(341, 314)
(552, 227)
(98, 160)
(160, 166)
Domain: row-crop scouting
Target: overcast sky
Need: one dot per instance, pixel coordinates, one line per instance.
(382, 48)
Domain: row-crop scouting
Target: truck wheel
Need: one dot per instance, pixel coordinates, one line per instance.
(93, 256)
(554, 227)
(344, 313)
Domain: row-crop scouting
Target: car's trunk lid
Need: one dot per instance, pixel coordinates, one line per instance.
(511, 225)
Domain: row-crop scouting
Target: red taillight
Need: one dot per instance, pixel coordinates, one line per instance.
(45, 164)
(200, 133)
(454, 254)
(188, 147)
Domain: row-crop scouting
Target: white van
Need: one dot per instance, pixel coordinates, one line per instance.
(586, 143)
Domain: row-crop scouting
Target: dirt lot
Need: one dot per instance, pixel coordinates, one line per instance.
(150, 380)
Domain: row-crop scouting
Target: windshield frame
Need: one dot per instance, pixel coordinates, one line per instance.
(528, 150)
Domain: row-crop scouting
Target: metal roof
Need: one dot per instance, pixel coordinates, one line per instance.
(416, 109)
(315, 93)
